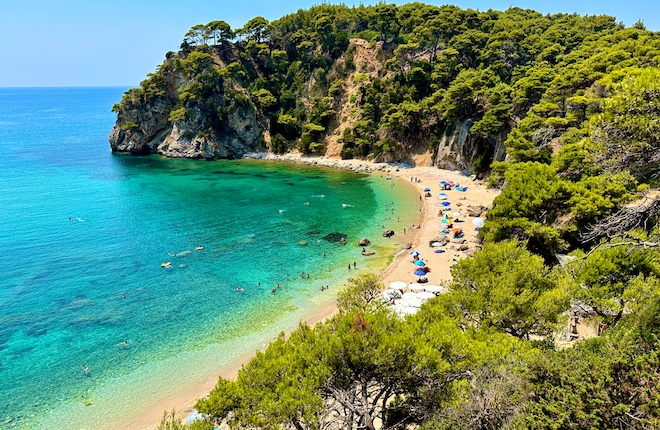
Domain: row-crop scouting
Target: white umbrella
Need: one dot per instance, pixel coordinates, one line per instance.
(456, 214)
(391, 295)
(425, 295)
(416, 287)
(402, 311)
(434, 288)
(408, 296)
(478, 222)
(416, 303)
(398, 285)
(412, 299)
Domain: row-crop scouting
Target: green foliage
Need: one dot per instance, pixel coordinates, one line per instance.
(264, 98)
(608, 382)
(616, 280)
(178, 115)
(362, 294)
(527, 208)
(505, 287)
(278, 144)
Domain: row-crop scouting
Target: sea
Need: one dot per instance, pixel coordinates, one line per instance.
(94, 331)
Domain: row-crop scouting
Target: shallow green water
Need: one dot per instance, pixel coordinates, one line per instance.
(84, 233)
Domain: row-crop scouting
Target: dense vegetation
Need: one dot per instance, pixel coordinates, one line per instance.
(576, 102)
(434, 68)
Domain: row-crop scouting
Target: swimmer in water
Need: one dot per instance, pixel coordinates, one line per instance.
(84, 368)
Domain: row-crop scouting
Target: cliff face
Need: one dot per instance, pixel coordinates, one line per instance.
(204, 104)
(217, 121)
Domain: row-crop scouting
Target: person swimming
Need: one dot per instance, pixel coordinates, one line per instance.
(84, 368)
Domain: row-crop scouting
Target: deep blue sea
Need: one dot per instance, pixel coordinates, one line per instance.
(83, 235)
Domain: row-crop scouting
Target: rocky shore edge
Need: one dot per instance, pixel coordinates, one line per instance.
(363, 166)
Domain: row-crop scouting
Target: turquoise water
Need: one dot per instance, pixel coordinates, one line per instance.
(83, 234)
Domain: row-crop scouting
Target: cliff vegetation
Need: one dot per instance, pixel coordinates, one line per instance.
(429, 85)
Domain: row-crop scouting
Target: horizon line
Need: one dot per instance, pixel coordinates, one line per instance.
(65, 86)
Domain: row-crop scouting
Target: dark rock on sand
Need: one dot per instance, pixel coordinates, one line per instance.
(442, 240)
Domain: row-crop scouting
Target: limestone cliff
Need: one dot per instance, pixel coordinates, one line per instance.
(185, 112)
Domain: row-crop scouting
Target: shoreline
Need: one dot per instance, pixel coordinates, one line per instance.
(398, 269)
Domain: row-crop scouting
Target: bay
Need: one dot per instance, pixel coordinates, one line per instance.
(84, 234)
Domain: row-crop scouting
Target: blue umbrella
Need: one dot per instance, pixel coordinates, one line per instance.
(415, 253)
(420, 263)
(446, 203)
(444, 183)
(419, 272)
(427, 189)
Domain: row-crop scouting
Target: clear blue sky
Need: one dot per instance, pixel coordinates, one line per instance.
(103, 42)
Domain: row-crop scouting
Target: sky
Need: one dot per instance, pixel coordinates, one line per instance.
(60, 43)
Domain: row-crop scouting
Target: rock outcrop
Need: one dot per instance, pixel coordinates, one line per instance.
(163, 118)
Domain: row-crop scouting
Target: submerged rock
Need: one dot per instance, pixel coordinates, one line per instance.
(388, 233)
(364, 242)
(335, 237)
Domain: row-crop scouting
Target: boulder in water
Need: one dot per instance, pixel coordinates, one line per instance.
(388, 233)
(364, 242)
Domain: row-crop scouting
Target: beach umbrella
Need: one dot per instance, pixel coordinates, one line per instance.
(390, 295)
(427, 189)
(398, 285)
(419, 263)
(433, 289)
(456, 214)
(194, 416)
(443, 182)
(411, 299)
(414, 253)
(419, 272)
(442, 196)
(402, 310)
(478, 222)
(424, 295)
(446, 204)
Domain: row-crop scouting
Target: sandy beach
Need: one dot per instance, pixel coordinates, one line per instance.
(401, 268)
